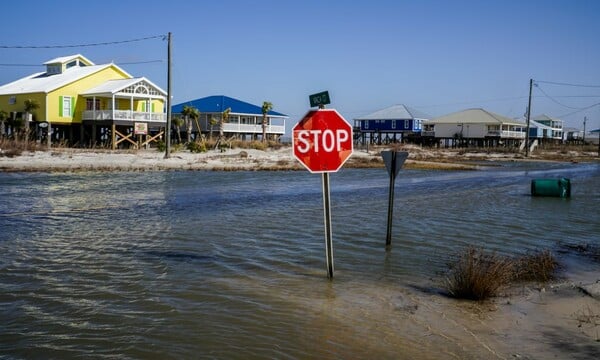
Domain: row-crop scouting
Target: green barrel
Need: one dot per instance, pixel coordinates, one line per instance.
(551, 187)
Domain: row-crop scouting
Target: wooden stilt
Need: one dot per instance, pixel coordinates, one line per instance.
(81, 136)
(113, 135)
(93, 139)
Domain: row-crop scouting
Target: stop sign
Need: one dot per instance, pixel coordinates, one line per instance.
(322, 140)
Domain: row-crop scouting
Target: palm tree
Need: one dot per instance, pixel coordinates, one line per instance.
(190, 113)
(224, 119)
(3, 117)
(178, 121)
(212, 123)
(30, 106)
(266, 107)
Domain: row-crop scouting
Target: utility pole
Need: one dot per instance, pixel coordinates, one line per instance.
(168, 128)
(528, 117)
(584, 121)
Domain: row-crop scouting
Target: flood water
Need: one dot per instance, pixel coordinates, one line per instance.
(232, 264)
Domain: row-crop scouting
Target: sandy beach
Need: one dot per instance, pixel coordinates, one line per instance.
(68, 159)
(559, 319)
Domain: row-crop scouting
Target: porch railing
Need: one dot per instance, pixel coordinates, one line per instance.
(251, 128)
(507, 134)
(124, 115)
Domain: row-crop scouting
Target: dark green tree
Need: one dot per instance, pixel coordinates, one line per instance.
(30, 106)
(190, 113)
(266, 107)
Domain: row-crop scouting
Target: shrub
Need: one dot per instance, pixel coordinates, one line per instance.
(478, 275)
(538, 266)
(15, 147)
(197, 147)
(11, 153)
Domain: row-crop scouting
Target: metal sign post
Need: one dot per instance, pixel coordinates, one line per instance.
(327, 222)
(393, 162)
(322, 142)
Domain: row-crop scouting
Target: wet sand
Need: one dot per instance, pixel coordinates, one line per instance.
(67, 159)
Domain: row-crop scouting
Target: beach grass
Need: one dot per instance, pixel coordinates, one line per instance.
(538, 266)
(12, 147)
(479, 275)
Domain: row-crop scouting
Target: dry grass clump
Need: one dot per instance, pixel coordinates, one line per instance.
(364, 162)
(537, 266)
(429, 165)
(587, 316)
(255, 144)
(12, 147)
(10, 153)
(477, 275)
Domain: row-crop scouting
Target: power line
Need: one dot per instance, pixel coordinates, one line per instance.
(553, 99)
(474, 102)
(21, 65)
(80, 45)
(566, 84)
(118, 63)
(579, 110)
(140, 62)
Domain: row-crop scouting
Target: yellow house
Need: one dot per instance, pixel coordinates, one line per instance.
(75, 94)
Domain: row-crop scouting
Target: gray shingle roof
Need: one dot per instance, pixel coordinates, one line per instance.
(395, 112)
(474, 116)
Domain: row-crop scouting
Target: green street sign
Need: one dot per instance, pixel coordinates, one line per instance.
(321, 98)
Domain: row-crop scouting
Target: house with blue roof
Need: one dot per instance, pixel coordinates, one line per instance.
(392, 124)
(244, 122)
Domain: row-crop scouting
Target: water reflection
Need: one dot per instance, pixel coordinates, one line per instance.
(232, 265)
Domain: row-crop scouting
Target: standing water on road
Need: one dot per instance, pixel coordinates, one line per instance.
(232, 264)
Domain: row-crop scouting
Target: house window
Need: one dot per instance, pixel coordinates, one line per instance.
(12, 100)
(393, 124)
(66, 106)
(407, 124)
(53, 69)
(366, 124)
(89, 104)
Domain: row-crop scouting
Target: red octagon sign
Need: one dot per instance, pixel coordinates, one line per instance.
(322, 140)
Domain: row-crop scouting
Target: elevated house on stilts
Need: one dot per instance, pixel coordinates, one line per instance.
(84, 104)
(397, 123)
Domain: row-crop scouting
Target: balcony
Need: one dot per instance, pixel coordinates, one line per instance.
(124, 115)
(252, 128)
(506, 134)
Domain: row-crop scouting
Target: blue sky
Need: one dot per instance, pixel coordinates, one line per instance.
(436, 56)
